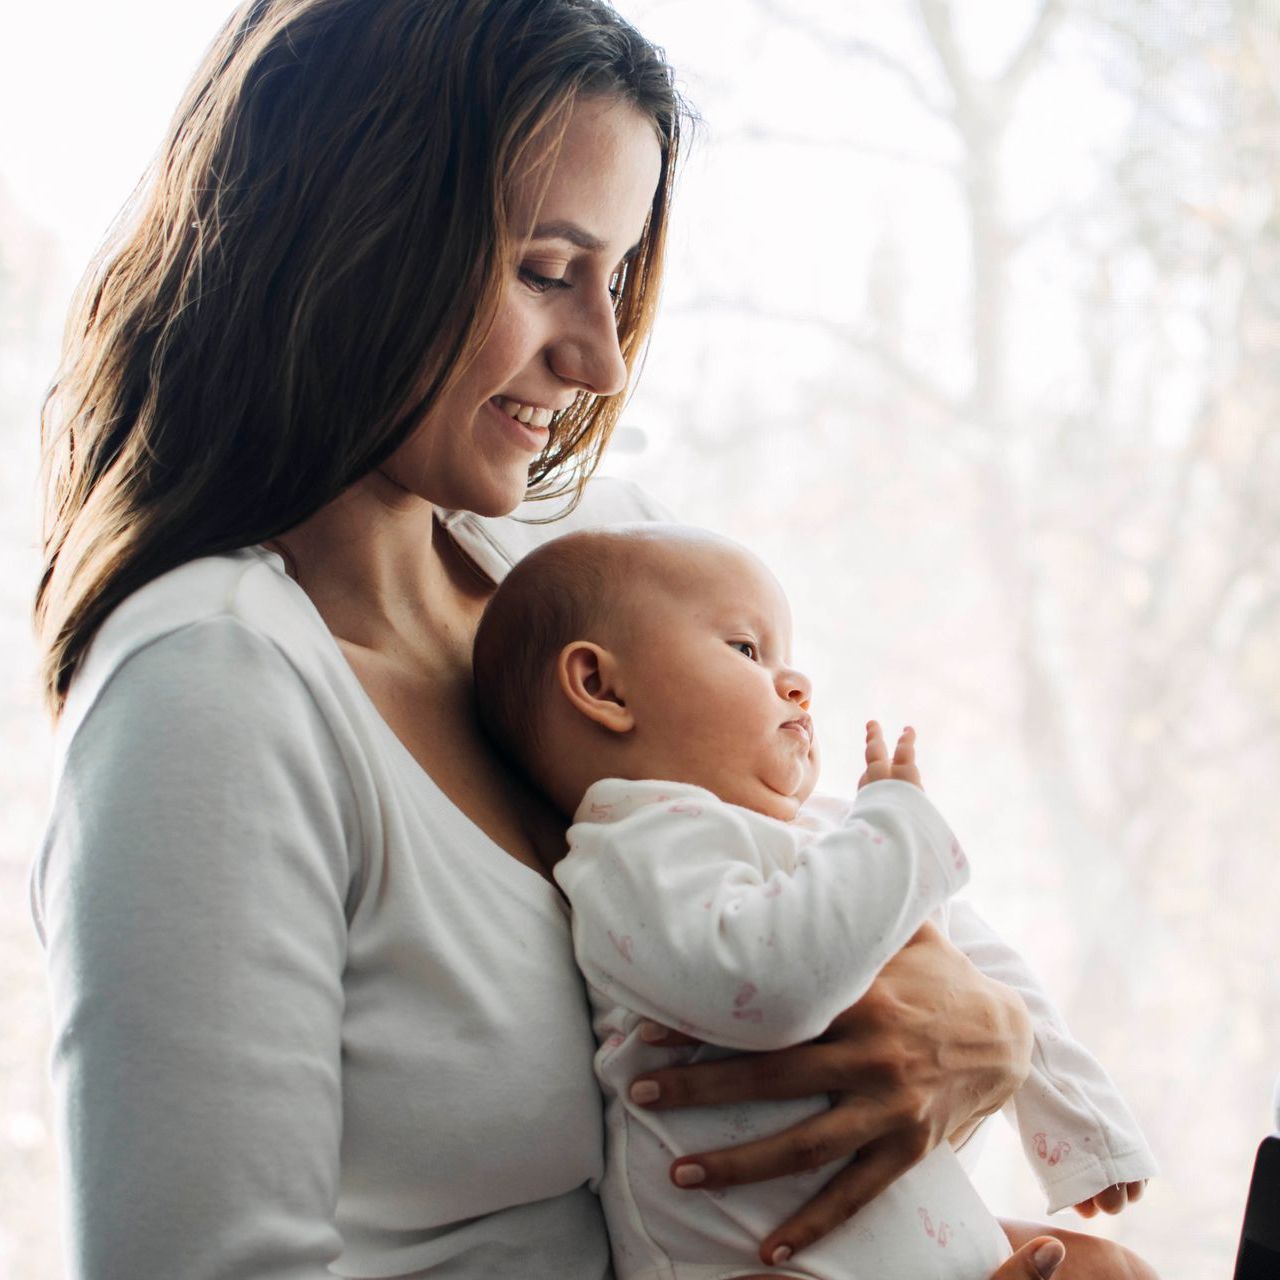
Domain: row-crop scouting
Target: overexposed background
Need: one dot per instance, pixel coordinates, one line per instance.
(973, 331)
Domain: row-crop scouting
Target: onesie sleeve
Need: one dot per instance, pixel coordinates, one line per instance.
(690, 911)
(191, 896)
(1075, 1128)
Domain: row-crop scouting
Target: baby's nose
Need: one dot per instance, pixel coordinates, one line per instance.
(795, 687)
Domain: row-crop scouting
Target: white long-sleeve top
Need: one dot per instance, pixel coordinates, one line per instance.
(753, 934)
(308, 1019)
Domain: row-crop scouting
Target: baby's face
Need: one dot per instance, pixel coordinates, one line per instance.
(706, 671)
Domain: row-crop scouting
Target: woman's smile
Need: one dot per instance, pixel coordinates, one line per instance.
(532, 434)
(532, 414)
(547, 345)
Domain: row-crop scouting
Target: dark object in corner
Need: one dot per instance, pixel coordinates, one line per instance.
(1259, 1256)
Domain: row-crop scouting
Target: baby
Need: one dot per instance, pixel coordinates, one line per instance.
(641, 676)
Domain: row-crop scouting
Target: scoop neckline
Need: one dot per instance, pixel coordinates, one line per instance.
(505, 863)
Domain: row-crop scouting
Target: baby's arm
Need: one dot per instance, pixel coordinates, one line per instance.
(685, 911)
(1083, 1144)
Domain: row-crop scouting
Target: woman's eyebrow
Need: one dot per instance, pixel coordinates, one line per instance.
(576, 235)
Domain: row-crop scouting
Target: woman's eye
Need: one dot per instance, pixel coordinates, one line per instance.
(540, 283)
(746, 648)
(615, 285)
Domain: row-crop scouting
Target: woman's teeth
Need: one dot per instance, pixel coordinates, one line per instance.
(531, 415)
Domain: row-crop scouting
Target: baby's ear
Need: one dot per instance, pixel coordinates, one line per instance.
(589, 676)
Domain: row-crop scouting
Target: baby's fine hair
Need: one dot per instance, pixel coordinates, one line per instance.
(575, 587)
(559, 592)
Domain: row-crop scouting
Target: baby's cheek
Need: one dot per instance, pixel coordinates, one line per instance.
(813, 769)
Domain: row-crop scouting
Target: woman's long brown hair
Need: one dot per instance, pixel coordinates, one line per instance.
(315, 253)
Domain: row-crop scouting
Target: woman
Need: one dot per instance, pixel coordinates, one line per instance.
(313, 991)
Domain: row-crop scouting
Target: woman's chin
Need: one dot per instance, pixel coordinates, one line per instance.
(489, 496)
(492, 504)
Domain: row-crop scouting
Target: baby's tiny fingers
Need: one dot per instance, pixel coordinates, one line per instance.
(905, 751)
(877, 756)
(1111, 1199)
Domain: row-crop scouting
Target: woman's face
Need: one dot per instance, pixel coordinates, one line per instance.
(554, 334)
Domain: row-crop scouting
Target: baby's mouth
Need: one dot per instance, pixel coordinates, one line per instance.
(802, 725)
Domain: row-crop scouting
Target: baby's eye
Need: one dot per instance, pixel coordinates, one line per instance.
(746, 648)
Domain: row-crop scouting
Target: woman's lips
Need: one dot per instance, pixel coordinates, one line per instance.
(529, 435)
(532, 415)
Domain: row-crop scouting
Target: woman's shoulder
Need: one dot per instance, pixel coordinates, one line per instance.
(243, 594)
(494, 543)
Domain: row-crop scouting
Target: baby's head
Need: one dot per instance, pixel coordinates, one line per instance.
(647, 651)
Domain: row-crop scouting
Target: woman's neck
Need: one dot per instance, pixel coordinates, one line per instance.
(382, 573)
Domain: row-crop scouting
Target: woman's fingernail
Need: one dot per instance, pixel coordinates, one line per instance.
(652, 1032)
(645, 1091)
(781, 1256)
(1048, 1257)
(690, 1175)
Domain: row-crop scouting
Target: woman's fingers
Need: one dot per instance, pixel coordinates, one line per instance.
(815, 1141)
(897, 1092)
(856, 1185)
(1038, 1259)
(1088, 1255)
(802, 1071)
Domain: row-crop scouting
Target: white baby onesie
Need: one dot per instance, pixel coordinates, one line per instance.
(753, 934)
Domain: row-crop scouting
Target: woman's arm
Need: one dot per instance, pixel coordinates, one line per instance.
(191, 898)
(933, 1045)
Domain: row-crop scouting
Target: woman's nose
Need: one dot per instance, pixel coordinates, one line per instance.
(589, 355)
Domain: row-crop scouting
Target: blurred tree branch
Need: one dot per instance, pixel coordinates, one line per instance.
(852, 48)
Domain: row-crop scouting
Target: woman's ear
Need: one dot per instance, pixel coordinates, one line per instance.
(589, 677)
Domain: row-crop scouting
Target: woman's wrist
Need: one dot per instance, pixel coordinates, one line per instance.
(1014, 1033)
(1000, 1049)
(1011, 1042)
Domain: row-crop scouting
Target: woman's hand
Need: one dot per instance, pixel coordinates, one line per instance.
(932, 1048)
(1038, 1259)
(1085, 1258)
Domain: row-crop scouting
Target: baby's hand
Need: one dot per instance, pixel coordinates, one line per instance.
(1113, 1199)
(880, 767)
